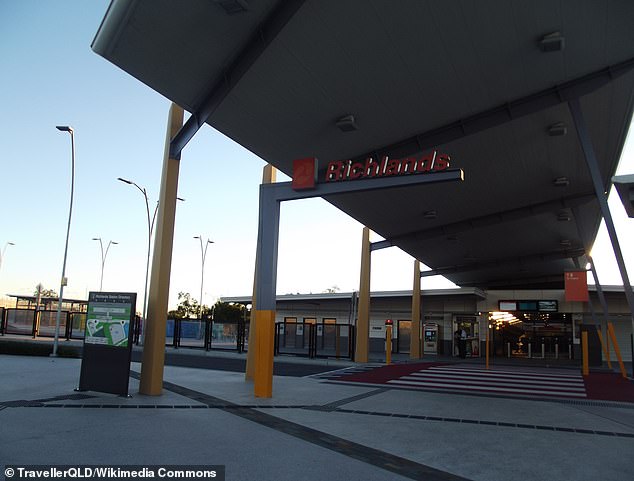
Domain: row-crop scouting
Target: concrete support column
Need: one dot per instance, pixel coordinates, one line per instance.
(266, 282)
(268, 177)
(363, 320)
(154, 347)
(415, 349)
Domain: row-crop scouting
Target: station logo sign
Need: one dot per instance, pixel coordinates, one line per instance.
(305, 170)
(344, 170)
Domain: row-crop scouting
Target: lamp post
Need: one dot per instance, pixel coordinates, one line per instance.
(150, 229)
(4, 249)
(203, 255)
(103, 257)
(65, 128)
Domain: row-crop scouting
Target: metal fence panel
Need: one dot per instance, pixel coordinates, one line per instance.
(20, 321)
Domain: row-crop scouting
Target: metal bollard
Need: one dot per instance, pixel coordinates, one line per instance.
(530, 350)
(569, 351)
(556, 351)
(543, 351)
(508, 349)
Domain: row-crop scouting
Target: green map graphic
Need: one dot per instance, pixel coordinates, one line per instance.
(108, 324)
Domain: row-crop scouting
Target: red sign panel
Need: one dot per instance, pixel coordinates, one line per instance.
(304, 173)
(576, 283)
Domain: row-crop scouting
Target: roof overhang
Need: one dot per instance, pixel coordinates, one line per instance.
(486, 84)
(624, 185)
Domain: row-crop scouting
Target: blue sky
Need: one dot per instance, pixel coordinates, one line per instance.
(51, 77)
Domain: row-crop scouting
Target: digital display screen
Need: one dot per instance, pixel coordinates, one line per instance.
(547, 306)
(508, 306)
(527, 305)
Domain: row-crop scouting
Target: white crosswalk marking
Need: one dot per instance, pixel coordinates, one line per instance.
(472, 379)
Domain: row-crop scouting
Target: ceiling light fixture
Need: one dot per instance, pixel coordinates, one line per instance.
(430, 214)
(561, 182)
(553, 42)
(557, 129)
(563, 216)
(232, 7)
(347, 123)
(565, 243)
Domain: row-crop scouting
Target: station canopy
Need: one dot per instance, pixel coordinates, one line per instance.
(485, 82)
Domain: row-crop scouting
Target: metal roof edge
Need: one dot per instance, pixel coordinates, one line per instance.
(112, 24)
(460, 291)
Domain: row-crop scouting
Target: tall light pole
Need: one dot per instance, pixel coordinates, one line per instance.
(103, 257)
(203, 255)
(65, 128)
(4, 249)
(150, 229)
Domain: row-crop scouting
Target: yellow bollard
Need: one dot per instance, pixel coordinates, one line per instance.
(616, 349)
(606, 351)
(584, 351)
(388, 342)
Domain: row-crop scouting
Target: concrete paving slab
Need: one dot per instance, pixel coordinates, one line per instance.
(308, 430)
(487, 453)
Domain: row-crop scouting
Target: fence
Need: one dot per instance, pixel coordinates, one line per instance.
(311, 340)
(31, 322)
(314, 340)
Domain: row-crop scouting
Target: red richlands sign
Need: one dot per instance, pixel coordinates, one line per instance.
(341, 170)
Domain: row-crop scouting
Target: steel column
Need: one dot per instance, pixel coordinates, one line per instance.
(599, 187)
(415, 351)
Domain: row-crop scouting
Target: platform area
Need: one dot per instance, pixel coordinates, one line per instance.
(313, 428)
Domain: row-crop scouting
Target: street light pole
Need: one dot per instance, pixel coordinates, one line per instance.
(203, 255)
(103, 257)
(150, 230)
(65, 128)
(4, 249)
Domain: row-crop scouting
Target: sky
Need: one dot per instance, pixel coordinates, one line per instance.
(50, 77)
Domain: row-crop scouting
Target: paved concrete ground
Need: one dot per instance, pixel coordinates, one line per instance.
(310, 430)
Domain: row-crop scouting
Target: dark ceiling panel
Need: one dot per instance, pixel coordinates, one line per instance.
(402, 69)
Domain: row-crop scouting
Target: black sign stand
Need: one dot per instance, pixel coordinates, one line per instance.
(105, 365)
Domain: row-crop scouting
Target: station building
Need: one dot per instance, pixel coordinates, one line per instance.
(523, 324)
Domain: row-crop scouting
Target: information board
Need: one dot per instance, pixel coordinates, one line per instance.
(107, 352)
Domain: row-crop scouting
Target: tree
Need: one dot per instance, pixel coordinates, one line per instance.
(332, 290)
(187, 306)
(223, 311)
(44, 292)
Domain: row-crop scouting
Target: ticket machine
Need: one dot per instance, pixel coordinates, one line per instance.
(431, 339)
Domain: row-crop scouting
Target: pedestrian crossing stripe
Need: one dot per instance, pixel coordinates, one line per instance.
(493, 378)
(469, 379)
(481, 388)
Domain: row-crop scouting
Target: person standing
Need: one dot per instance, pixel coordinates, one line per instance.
(462, 346)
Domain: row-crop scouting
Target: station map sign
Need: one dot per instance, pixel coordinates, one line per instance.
(105, 365)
